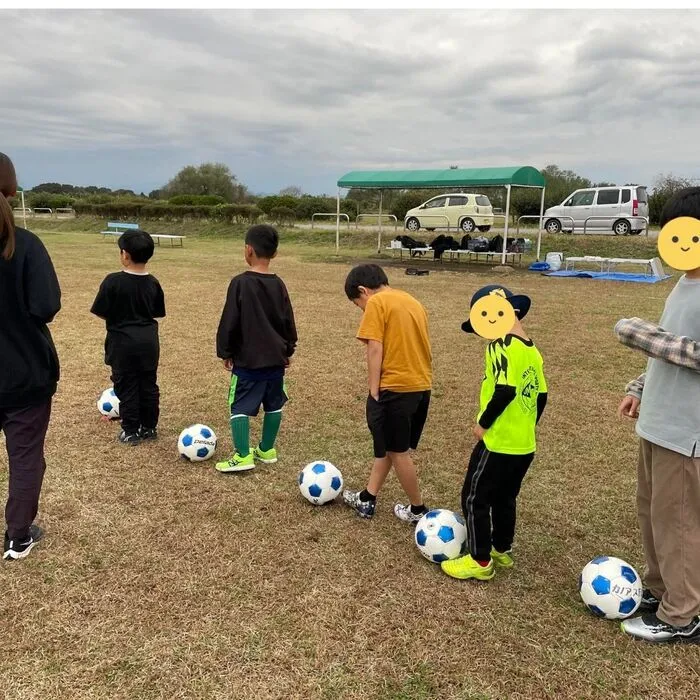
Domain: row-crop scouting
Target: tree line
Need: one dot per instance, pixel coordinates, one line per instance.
(211, 190)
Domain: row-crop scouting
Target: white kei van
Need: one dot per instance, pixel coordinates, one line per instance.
(622, 210)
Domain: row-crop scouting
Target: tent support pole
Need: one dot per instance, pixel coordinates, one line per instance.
(539, 231)
(505, 232)
(337, 223)
(379, 237)
(24, 210)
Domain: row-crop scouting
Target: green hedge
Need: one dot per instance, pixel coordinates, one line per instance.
(234, 213)
(197, 199)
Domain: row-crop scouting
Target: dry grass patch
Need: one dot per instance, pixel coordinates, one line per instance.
(165, 580)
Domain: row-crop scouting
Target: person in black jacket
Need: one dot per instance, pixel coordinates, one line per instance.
(130, 301)
(256, 338)
(30, 297)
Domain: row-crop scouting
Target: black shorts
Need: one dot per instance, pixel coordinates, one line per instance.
(247, 395)
(396, 421)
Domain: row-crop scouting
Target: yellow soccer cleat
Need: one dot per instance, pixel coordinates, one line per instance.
(466, 567)
(504, 560)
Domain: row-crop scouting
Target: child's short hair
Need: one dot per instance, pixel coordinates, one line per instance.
(263, 239)
(683, 203)
(370, 276)
(138, 244)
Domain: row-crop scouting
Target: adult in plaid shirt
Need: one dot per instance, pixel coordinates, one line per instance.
(666, 401)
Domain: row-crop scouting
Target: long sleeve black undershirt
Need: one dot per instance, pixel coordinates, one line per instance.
(502, 396)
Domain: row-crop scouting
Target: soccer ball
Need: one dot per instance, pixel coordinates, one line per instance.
(441, 535)
(196, 443)
(610, 588)
(108, 403)
(320, 482)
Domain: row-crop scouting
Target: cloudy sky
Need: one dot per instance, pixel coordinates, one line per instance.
(125, 99)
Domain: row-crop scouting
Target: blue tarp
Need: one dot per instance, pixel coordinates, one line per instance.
(610, 276)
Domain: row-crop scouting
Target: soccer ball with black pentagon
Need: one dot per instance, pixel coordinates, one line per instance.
(610, 588)
(320, 482)
(441, 535)
(108, 404)
(197, 443)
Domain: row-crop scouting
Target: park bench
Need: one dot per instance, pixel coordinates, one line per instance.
(116, 228)
(169, 237)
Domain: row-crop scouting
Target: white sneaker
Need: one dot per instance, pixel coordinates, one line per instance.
(406, 515)
(651, 629)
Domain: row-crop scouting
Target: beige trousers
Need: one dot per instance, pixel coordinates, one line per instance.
(668, 506)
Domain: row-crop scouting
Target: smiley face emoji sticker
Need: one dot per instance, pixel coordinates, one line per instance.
(679, 243)
(492, 316)
(493, 312)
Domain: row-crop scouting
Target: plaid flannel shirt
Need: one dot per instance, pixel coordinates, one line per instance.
(655, 342)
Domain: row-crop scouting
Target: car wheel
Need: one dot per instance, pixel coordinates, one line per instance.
(484, 229)
(467, 225)
(413, 225)
(553, 226)
(622, 227)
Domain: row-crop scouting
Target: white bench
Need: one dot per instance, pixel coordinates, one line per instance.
(402, 250)
(570, 263)
(488, 256)
(169, 237)
(116, 228)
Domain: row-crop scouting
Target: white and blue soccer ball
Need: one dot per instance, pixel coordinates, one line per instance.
(441, 535)
(610, 588)
(197, 443)
(320, 482)
(108, 403)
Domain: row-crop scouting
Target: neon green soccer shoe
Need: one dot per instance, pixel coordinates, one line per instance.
(265, 456)
(236, 464)
(504, 560)
(467, 567)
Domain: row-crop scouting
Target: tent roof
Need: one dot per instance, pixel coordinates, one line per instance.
(526, 176)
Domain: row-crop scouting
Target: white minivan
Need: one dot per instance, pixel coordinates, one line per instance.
(622, 210)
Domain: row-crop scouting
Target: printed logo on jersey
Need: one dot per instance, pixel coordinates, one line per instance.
(529, 389)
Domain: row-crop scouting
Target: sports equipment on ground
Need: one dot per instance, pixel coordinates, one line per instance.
(320, 482)
(441, 535)
(108, 403)
(197, 443)
(610, 588)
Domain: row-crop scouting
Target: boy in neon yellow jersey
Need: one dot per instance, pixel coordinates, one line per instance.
(513, 397)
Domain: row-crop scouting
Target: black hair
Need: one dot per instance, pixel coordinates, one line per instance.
(685, 202)
(370, 276)
(138, 244)
(263, 239)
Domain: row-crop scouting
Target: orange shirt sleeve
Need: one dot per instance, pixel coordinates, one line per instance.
(372, 325)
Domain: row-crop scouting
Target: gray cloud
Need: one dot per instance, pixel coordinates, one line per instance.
(125, 98)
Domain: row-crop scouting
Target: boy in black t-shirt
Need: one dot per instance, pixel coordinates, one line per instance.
(130, 302)
(256, 338)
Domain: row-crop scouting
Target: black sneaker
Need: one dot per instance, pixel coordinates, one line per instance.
(365, 509)
(650, 603)
(649, 628)
(148, 433)
(18, 549)
(129, 438)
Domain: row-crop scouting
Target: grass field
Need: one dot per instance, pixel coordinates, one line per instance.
(160, 579)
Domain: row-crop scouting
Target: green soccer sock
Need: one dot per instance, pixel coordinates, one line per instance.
(240, 433)
(270, 428)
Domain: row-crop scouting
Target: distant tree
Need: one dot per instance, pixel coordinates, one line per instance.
(154, 194)
(665, 186)
(291, 191)
(208, 178)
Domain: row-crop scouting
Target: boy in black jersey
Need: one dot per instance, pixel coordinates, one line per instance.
(130, 301)
(256, 339)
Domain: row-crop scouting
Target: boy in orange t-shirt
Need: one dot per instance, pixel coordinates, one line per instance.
(399, 363)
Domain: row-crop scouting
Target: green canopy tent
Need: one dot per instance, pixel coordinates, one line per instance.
(447, 180)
